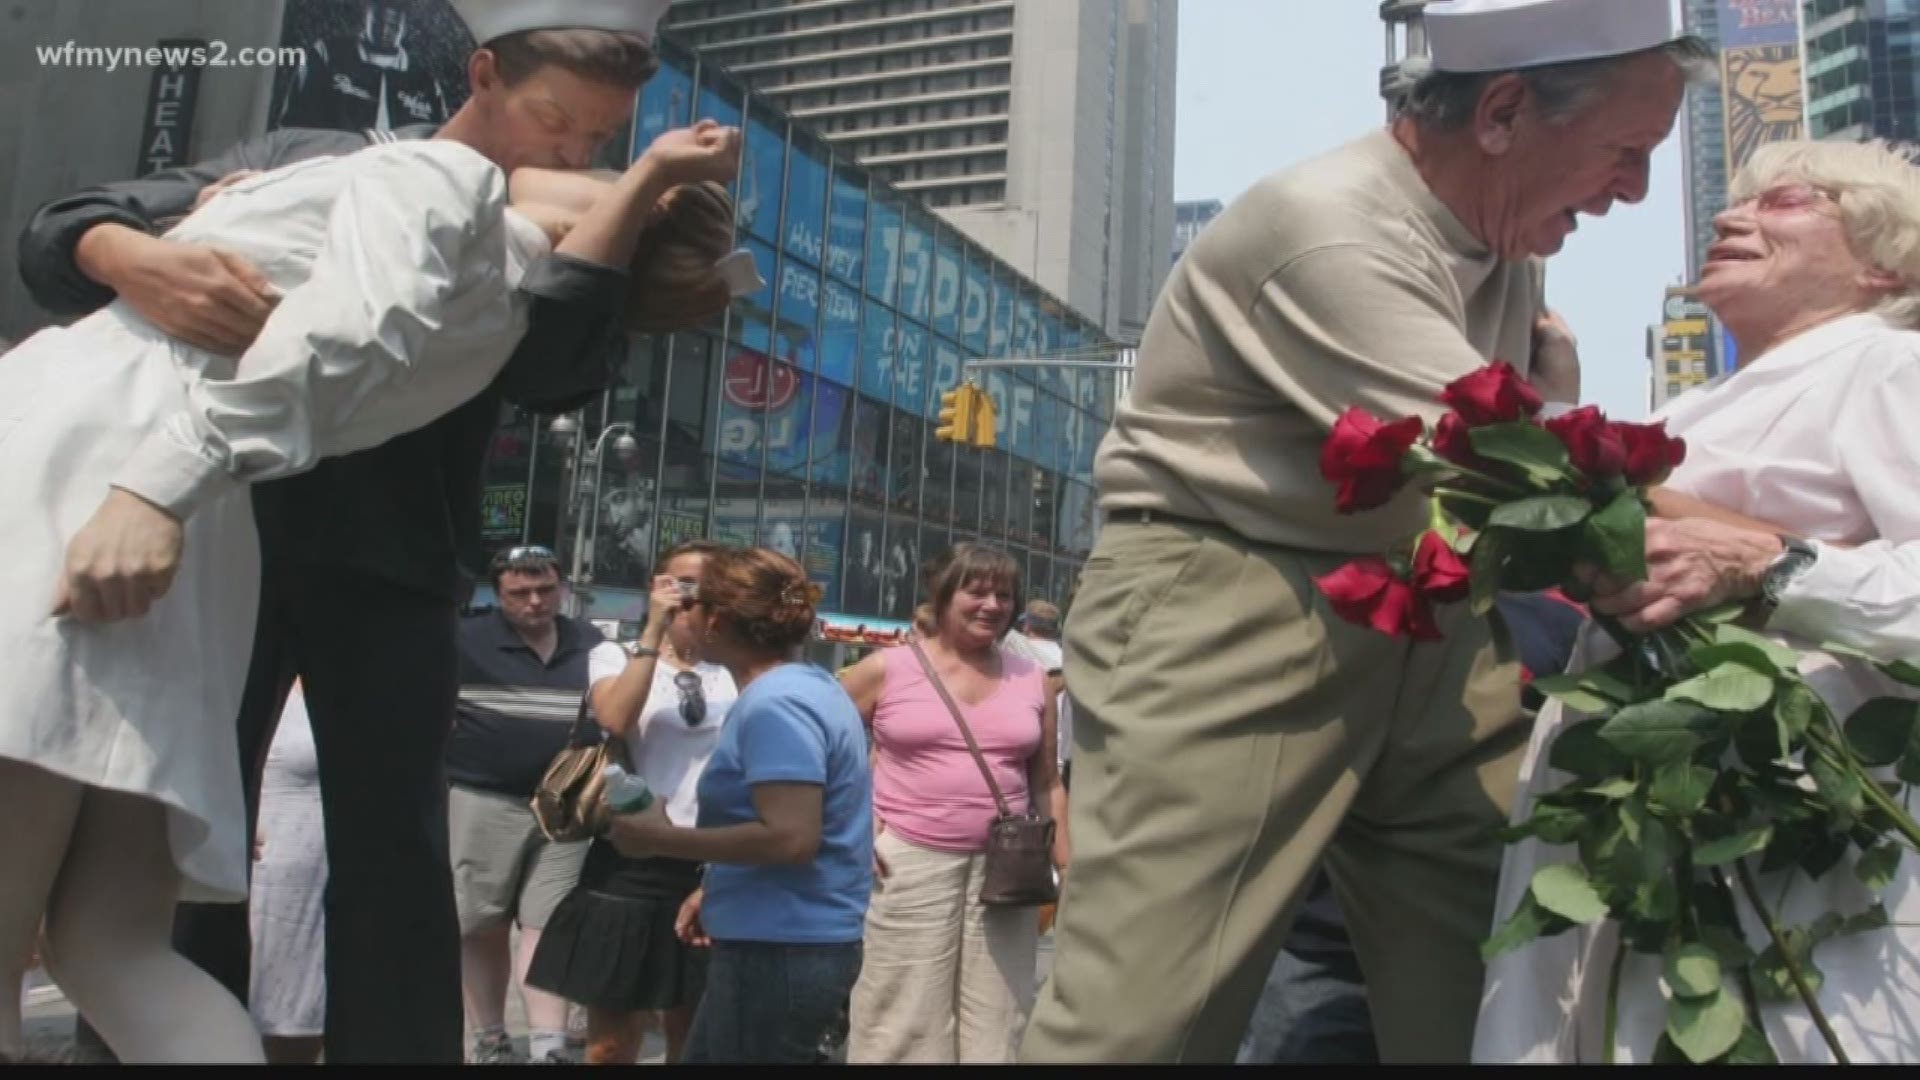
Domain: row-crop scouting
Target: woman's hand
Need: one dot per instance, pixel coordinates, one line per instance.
(121, 561)
(636, 835)
(663, 605)
(880, 867)
(706, 151)
(686, 925)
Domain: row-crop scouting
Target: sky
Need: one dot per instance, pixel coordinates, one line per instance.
(1267, 83)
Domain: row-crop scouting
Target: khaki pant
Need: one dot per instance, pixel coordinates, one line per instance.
(1229, 731)
(945, 979)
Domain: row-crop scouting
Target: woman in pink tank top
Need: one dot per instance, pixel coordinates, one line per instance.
(946, 979)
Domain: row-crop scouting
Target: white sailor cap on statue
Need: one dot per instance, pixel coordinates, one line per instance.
(490, 19)
(1501, 35)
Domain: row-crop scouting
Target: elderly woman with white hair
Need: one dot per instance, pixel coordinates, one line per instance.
(1799, 494)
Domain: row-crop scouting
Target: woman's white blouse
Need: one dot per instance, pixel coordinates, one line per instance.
(1821, 437)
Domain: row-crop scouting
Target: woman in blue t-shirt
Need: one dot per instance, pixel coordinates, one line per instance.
(785, 824)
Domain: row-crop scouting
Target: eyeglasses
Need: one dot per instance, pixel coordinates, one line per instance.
(1793, 197)
(527, 551)
(693, 700)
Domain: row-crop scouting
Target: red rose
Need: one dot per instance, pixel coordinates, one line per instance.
(1367, 592)
(1453, 441)
(1363, 454)
(1592, 442)
(1439, 573)
(1650, 452)
(1496, 394)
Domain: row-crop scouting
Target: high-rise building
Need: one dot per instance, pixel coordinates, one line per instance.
(1406, 48)
(1042, 128)
(1862, 78)
(1704, 140)
(1680, 347)
(1188, 219)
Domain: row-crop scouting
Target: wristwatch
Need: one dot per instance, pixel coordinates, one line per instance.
(1796, 559)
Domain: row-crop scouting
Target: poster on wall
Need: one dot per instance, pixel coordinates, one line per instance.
(1760, 76)
(378, 64)
(503, 511)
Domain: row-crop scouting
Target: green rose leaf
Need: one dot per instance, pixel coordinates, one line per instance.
(1882, 730)
(1489, 556)
(1840, 787)
(1693, 970)
(1617, 536)
(1681, 787)
(1875, 868)
(1902, 671)
(1708, 657)
(1794, 710)
(1528, 922)
(1574, 692)
(1729, 849)
(1565, 890)
(1546, 513)
(1618, 788)
(1727, 688)
(1580, 750)
(1874, 918)
(1660, 731)
(1752, 1049)
(1525, 444)
(1909, 767)
(1770, 973)
(1558, 824)
(1706, 1027)
(1785, 659)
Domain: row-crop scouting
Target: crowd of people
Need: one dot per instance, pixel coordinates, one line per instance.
(269, 796)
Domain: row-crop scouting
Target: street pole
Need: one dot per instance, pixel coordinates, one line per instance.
(578, 494)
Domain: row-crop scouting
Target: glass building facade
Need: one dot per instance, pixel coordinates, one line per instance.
(1863, 74)
(802, 420)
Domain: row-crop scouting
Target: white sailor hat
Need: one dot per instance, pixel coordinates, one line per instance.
(490, 19)
(1502, 35)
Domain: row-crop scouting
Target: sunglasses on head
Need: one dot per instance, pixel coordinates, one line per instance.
(693, 699)
(527, 551)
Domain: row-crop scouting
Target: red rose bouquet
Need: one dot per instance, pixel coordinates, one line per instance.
(1696, 752)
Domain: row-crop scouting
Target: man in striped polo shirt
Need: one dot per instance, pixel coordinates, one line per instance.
(523, 671)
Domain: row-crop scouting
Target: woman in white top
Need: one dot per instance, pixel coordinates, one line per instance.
(611, 945)
(1814, 440)
(132, 569)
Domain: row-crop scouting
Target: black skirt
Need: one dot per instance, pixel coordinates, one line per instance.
(610, 944)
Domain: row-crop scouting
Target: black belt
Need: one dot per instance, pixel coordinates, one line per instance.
(1142, 516)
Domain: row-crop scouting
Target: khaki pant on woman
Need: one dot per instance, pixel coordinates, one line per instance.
(946, 979)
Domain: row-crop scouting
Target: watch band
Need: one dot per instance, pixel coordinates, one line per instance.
(640, 650)
(1796, 558)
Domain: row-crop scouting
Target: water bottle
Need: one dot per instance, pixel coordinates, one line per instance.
(626, 793)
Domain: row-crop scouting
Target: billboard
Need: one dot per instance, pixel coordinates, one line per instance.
(378, 64)
(1760, 81)
(1682, 360)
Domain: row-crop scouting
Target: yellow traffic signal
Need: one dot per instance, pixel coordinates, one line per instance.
(985, 419)
(956, 414)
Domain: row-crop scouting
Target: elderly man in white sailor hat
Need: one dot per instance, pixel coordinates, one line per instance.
(1229, 733)
(361, 557)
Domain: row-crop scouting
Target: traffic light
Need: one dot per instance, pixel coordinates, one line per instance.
(956, 414)
(985, 419)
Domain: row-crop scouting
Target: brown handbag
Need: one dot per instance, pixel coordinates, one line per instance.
(567, 802)
(1019, 864)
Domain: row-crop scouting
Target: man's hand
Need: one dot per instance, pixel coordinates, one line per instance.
(1555, 371)
(121, 561)
(208, 298)
(705, 151)
(1692, 564)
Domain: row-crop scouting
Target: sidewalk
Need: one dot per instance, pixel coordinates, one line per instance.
(49, 1018)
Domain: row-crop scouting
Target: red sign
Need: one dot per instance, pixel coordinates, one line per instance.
(755, 382)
